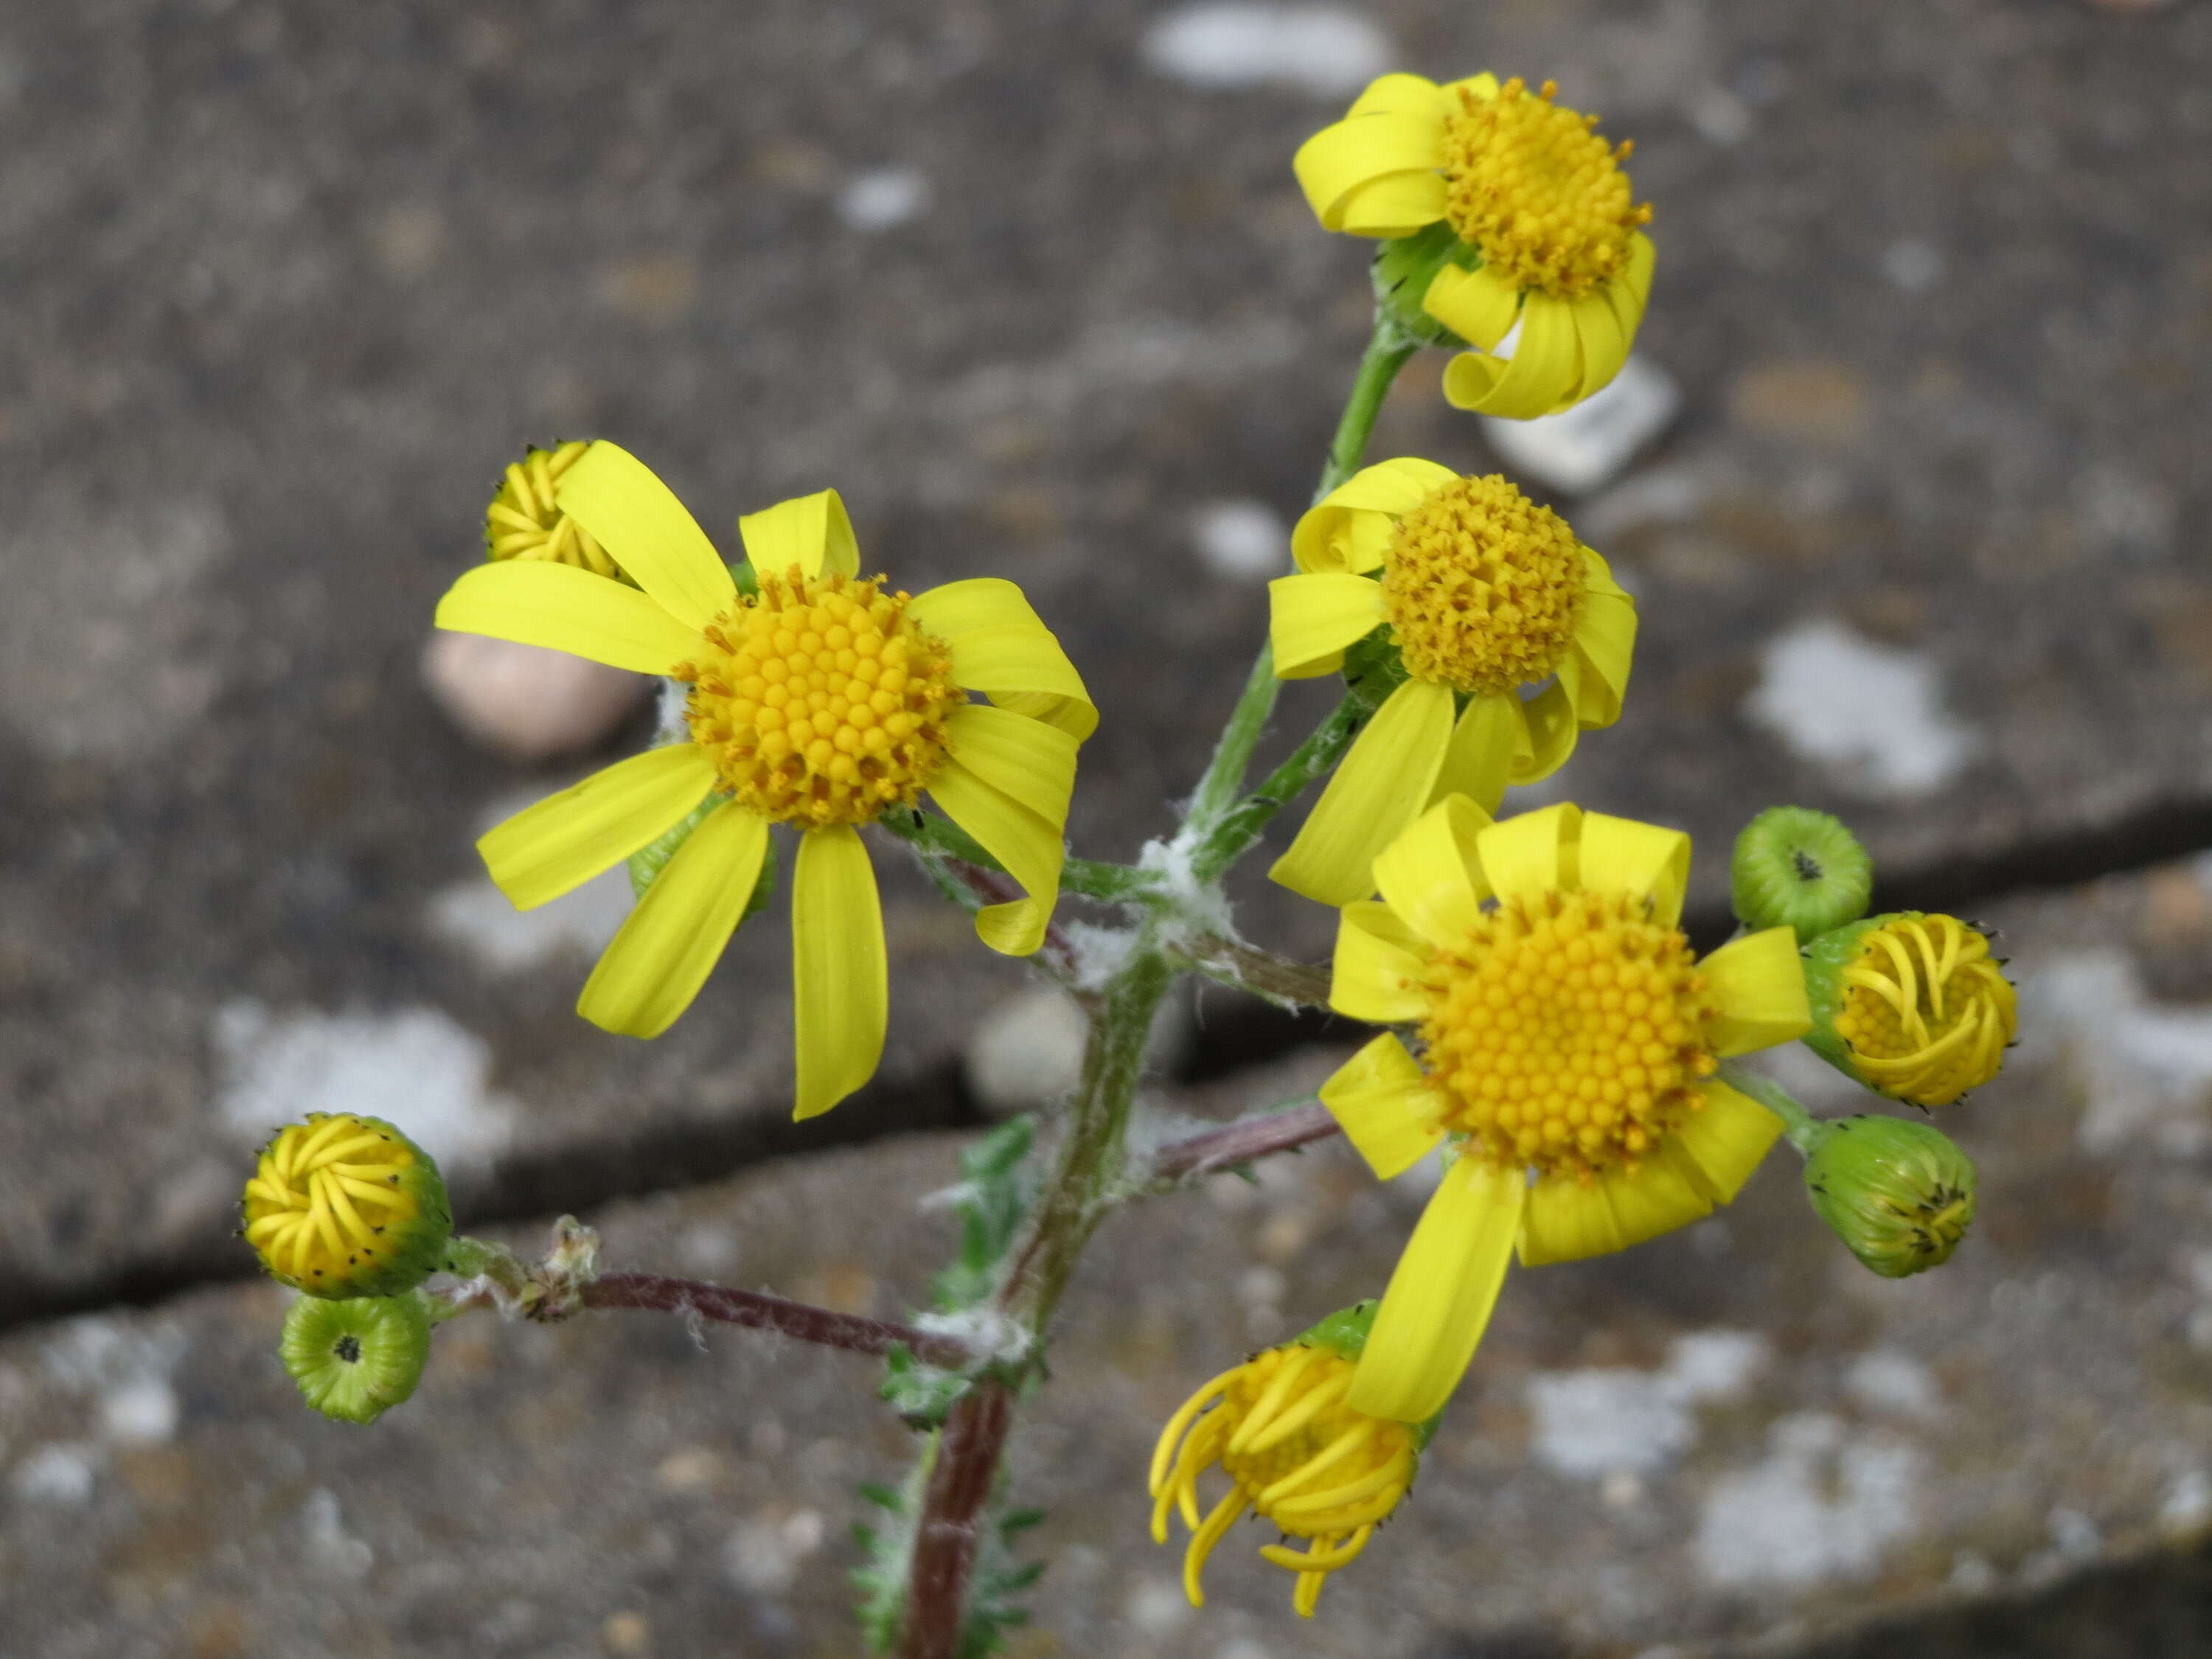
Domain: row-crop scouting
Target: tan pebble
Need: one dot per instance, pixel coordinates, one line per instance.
(525, 701)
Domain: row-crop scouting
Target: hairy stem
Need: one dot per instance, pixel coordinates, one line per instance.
(1281, 979)
(950, 1530)
(1803, 1129)
(1388, 349)
(656, 1293)
(1284, 1130)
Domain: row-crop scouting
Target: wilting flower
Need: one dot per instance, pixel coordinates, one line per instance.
(1568, 1041)
(346, 1206)
(1485, 595)
(1913, 1005)
(818, 701)
(525, 521)
(1543, 229)
(1311, 1466)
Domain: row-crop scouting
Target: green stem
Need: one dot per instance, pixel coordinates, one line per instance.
(1231, 837)
(1804, 1130)
(935, 839)
(1387, 349)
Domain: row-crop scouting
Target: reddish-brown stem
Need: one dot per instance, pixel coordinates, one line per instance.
(950, 1532)
(759, 1312)
(1240, 1143)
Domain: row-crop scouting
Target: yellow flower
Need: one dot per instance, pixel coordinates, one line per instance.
(1484, 594)
(1568, 1042)
(344, 1206)
(525, 521)
(1538, 198)
(1313, 1468)
(1913, 1005)
(819, 701)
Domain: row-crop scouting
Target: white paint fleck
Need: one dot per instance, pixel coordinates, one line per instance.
(2188, 1505)
(2145, 1069)
(1585, 447)
(1327, 50)
(1026, 1052)
(59, 1473)
(1656, 495)
(883, 198)
(1241, 540)
(416, 1068)
(1604, 1420)
(1872, 714)
(475, 917)
(1820, 1506)
(142, 1413)
(1889, 1381)
(330, 1547)
(764, 1553)
(1913, 265)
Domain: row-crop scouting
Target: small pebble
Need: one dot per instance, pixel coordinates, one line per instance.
(527, 703)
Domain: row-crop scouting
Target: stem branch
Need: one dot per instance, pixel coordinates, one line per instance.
(656, 1293)
(1282, 1131)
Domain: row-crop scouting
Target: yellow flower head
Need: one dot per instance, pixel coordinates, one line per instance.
(1913, 1005)
(524, 521)
(819, 700)
(1546, 231)
(345, 1205)
(1486, 596)
(1312, 1466)
(1568, 1042)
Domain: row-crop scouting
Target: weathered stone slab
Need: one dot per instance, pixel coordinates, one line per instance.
(285, 291)
(1735, 1435)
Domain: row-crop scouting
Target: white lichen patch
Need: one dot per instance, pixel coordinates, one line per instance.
(1871, 713)
(329, 1547)
(1607, 1420)
(475, 918)
(764, 1553)
(883, 198)
(1823, 1504)
(1327, 51)
(1241, 540)
(2144, 1068)
(124, 1368)
(61, 1473)
(1893, 1383)
(417, 1068)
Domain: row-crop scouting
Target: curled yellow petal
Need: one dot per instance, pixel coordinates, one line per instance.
(1620, 855)
(565, 840)
(1432, 876)
(839, 980)
(1490, 732)
(1759, 982)
(1441, 1294)
(664, 952)
(1030, 849)
(650, 534)
(1003, 649)
(1605, 642)
(1527, 855)
(1480, 306)
(811, 531)
(1721, 1143)
(1384, 1106)
(1544, 369)
(1549, 720)
(1376, 973)
(1401, 132)
(1314, 615)
(563, 608)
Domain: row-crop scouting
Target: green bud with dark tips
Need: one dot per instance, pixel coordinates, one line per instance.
(1899, 1194)
(355, 1360)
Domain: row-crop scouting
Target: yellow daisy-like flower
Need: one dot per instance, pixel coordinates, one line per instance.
(1536, 194)
(819, 701)
(1312, 1467)
(1485, 595)
(1567, 1039)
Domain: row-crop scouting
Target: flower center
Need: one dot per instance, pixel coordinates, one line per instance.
(820, 699)
(523, 522)
(1483, 587)
(1568, 1034)
(1927, 1013)
(323, 1204)
(1313, 1466)
(1535, 188)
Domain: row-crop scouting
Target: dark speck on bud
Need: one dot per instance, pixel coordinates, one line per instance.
(1797, 868)
(355, 1360)
(1898, 1193)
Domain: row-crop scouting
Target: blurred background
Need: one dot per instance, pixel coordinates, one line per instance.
(1909, 476)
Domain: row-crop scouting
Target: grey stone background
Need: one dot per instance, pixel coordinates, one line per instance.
(286, 285)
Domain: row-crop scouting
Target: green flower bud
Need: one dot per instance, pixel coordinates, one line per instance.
(1797, 868)
(1913, 1005)
(346, 1206)
(1898, 1193)
(355, 1360)
(1405, 266)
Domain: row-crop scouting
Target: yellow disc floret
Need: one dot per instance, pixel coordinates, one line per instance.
(346, 1206)
(1312, 1467)
(1483, 587)
(1569, 1033)
(821, 701)
(524, 523)
(1925, 1012)
(1533, 187)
